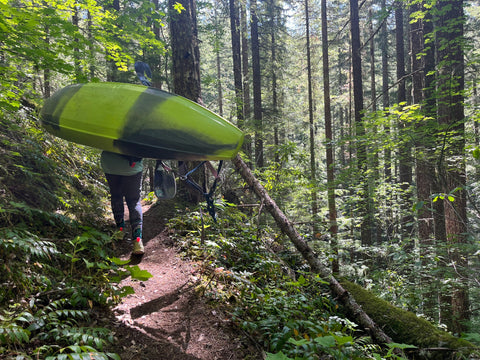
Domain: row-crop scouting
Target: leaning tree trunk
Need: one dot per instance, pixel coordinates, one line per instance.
(301, 245)
(408, 329)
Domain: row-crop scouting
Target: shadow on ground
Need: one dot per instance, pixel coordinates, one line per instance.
(166, 318)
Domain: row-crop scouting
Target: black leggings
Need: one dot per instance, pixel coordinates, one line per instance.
(129, 187)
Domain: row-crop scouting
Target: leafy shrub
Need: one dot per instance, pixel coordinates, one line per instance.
(290, 313)
(55, 289)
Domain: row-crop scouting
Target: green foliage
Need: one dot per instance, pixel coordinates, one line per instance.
(40, 36)
(64, 283)
(299, 320)
(52, 326)
(21, 269)
(404, 325)
(254, 271)
(40, 174)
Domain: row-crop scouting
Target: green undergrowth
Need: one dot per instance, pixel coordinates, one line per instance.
(406, 327)
(58, 275)
(268, 290)
(55, 292)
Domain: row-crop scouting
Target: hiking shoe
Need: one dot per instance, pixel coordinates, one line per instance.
(120, 232)
(138, 248)
(137, 233)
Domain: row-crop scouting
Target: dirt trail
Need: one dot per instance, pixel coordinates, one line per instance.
(165, 318)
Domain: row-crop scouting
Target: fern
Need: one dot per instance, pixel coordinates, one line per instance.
(13, 334)
(55, 326)
(23, 239)
(27, 245)
(95, 337)
(75, 352)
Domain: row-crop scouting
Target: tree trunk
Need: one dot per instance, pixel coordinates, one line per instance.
(91, 47)
(313, 167)
(430, 110)
(373, 157)
(76, 49)
(406, 163)
(257, 87)
(364, 211)
(185, 51)
(186, 72)
(450, 87)
(373, 90)
(387, 155)
(247, 143)
(273, 53)
(218, 63)
(332, 210)
(423, 170)
(237, 62)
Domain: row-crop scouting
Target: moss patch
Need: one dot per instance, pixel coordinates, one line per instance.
(404, 326)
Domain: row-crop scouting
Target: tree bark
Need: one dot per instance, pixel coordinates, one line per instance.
(313, 167)
(257, 87)
(450, 87)
(237, 62)
(247, 143)
(218, 62)
(273, 52)
(423, 160)
(332, 209)
(186, 73)
(387, 155)
(405, 161)
(185, 51)
(364, 211)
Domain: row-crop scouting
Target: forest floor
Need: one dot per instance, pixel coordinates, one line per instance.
(166, 318)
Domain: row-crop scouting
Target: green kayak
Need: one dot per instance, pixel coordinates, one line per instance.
(139, 121)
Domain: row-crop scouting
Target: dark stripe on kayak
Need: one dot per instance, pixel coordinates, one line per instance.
(185, 146)
(53, 107)
(139, 137)
(140, 113)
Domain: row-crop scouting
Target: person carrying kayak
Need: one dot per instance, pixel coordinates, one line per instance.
(124, 177)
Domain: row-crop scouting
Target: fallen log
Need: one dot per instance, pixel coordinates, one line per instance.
(308, 254)
(356, 311)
